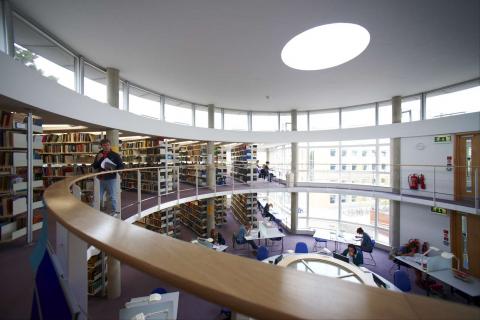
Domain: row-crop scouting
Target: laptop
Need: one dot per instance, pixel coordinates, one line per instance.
(278, 259)
(340, 257)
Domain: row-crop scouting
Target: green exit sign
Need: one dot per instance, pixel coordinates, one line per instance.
(443, 139)
(439, 210)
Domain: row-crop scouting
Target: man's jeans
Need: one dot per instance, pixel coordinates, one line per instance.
(109, 185)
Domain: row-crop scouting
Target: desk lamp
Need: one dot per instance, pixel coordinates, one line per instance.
(449, 255)
(432, 248)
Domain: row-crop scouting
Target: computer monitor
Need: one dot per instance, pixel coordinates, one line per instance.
(378, 281)
(340, 257)
(278, 259)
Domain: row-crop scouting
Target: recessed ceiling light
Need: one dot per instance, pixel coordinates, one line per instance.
(325, 46)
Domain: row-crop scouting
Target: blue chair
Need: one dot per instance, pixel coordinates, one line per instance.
(317, 241)
(159, 291)
(370, 253)
(401, 280)
(262, 253)
(301, 247)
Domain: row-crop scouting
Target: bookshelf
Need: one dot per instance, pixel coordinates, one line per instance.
(220, 158)
(164, 222)
(192, 159)
(95, 265)
(244, 207)
(149, 152)
(243, 158)
(68, 154)
(194, 214)
(14, 175)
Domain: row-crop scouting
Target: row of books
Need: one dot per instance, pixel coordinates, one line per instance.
(68, 159)
(18, 159)
(71, 137)
(68, 148)
(146, 143)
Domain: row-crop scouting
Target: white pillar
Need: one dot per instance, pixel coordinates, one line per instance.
(293, 170)
(395, 158)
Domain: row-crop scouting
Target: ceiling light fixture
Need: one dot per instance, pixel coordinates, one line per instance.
(325, 46)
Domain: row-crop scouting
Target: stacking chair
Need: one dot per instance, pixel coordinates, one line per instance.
(370, 253)
(401, 280)
(235, 242)
(159, 291)
(262, 253)
(301, 247)
(317, 241)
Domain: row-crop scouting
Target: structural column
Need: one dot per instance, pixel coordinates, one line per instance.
(114, 285)
(395, 158)
(293, 171)
(6, 28)
(211, 171)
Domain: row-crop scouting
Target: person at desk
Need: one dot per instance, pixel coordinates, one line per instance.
(266, 171)
(354, 256)
(242, 232)
(266, 212)
(217, 237)
(366, 244)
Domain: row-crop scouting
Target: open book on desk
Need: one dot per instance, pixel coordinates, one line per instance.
(108, 164)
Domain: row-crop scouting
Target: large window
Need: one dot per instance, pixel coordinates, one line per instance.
(285, 121)
(302, 121)
(324, 120)
(354, 117)
(411, 109)
(39, 53)
(385, 113)
(218, 118)
(340, 212)
(178, 112)
(264, 121)
(144, 103)
(235, 120)
(95, 83)
(280, 159)
(201, 116)
(453, 101)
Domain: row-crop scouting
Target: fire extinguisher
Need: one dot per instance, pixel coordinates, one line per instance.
(413, 181)
(421, 181)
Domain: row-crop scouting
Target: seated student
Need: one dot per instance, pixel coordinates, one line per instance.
(267, 173)
(242, 232)
(217, 237)
(354, 256)
(266, 211)
(366, 244)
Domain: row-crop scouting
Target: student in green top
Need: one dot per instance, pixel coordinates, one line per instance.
(354, 256)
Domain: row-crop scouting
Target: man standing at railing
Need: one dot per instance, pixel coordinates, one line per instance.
(107, 160)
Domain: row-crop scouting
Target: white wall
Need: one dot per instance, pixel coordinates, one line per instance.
(431, 154)
(417, 221)
(29, 87)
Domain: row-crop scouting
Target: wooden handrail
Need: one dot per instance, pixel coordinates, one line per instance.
(247, 286)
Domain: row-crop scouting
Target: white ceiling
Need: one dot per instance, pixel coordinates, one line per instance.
(228, 52)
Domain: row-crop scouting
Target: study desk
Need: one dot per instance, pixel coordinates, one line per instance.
(337, 236)
(471, 289)
(267, 230)
(216, 247)
(166, 308)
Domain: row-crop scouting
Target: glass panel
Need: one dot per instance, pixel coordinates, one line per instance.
(352, 229)
(39, 53)
(321, 206)
(120, 95)
(449, 102)
(324, 164)
(325, 120)
(235, 120)
(143, 103)
(322, 224)
(302, 205)
(383, 213)
(411, 109)
(201, 116)
(465, 242)
(385, 113)
(178, 112)
(468, 164)
(383, 236)
(324, 269)
(358, 117)
(286, 121)
(218, 118)
(358, 165)
(358, 209)
(95, 83)
(302, 224)
(264, 121)
(302, 121)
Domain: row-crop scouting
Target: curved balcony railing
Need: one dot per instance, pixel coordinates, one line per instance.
(244, 285)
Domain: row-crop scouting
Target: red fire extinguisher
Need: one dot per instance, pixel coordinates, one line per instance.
(413, 181)
(421, 181)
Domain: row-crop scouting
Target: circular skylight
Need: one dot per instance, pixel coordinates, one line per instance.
(325, 46)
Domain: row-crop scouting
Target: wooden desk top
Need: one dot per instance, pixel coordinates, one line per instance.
(244, 285)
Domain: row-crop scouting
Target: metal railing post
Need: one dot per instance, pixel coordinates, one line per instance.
(196, 180)
(233, 178)
(434, 187)
(476, 190)
(178, 184)
(139, 192)
(159, 193)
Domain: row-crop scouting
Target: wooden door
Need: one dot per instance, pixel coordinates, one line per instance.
(467, 160)
(464, 241)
